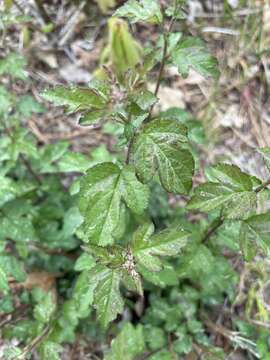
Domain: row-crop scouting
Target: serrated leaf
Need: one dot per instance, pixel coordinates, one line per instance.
(107, 298)
(50, 350)
(192, 53)
(159, 146)
(147, 248)
(13, 64)
(101, 192)
(12, 267)
(232, 193)
(28, 105)
(75, 98)
(255, 233)
(128, 344)
(142, 10)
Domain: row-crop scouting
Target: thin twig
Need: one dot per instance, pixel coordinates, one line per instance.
(212, 229)
(262, 186)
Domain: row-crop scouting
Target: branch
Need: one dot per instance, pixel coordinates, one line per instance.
(262, 186)
(212, 229)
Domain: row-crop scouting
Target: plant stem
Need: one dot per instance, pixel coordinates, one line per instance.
(129, 149)
(262, 186)
(31, 171)
(212, 229)
(46, 18)
(164, 52)
(35, 342)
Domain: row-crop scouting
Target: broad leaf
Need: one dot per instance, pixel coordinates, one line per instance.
(142, 10)
(231, 192)
(159, 147)
(107, 299)
(128, 344)
(192, 53)
(147, 248)
(255, 233)
(101, 192)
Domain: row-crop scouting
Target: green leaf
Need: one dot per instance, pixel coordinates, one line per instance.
(128, 344)
(12, 353)
(192, 53)
(75, 99)
(83, 293)
(159, 146)
(50, 350)
(165, 277)
(142, 10)
(84, 262)
(107, 299)
(13, 64)
(3, 281)
(232, 193)
(147, 248)
(101, 192)
(44, 310)
(255, 233)
(73, 162)
(144, 99)
(12, 267)
(28, 105)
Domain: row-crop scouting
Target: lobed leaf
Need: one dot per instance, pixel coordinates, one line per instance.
(192, 53)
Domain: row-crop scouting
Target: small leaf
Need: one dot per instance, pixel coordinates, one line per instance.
(50, 350)
(159, 146)
(147, 248)
(192, 53)
(44, 310)
(12, 353)
(255, 233)
(13, 64)
(232, 193)
(84, 262)
(3, 281)
(107, 299)
(75, 98)
(144, 99)
(142, 10)
(128, 344)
